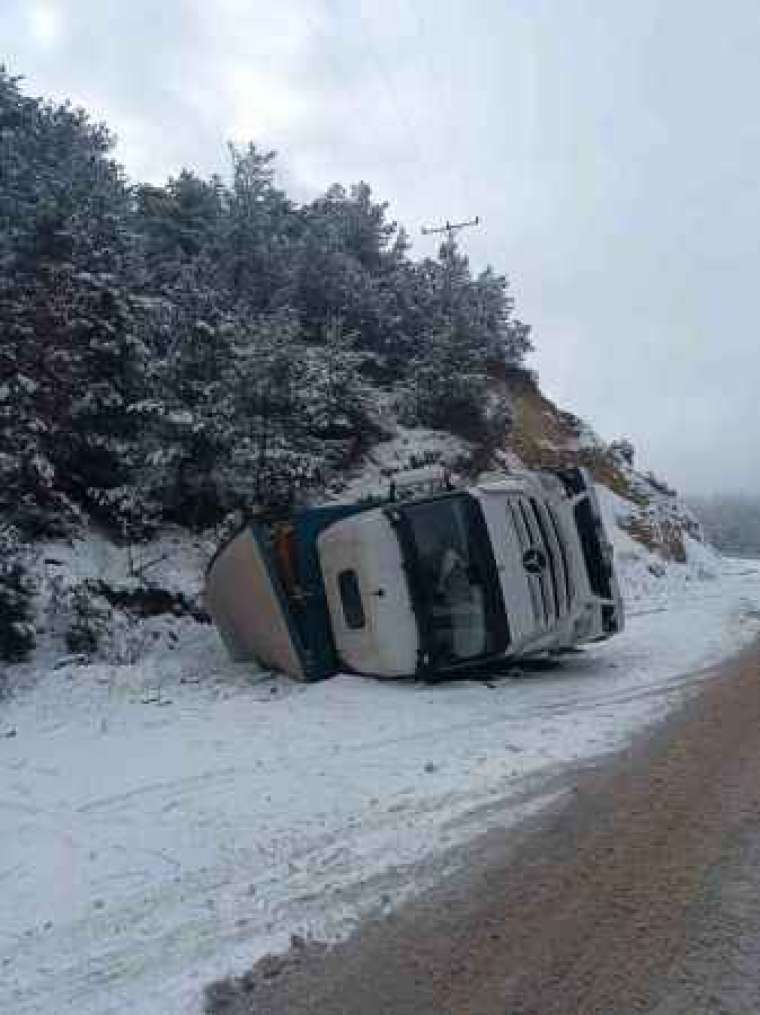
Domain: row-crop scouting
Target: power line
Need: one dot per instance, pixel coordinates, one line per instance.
(450, 228)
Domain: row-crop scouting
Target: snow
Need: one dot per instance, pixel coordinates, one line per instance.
(168, 821)
(173, 560)
(408, 449)
(647, 581)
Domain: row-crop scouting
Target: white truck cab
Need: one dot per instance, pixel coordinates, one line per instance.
(506, 568)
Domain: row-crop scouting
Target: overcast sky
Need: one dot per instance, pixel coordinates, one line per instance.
(611, 149)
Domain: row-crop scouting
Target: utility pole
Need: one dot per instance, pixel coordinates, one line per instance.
(448, 248)
(450, 228)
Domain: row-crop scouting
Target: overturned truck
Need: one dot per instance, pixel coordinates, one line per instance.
(429, 586)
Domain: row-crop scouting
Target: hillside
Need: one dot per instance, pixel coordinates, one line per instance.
(120, 602)
(175, 356)
(658, 537)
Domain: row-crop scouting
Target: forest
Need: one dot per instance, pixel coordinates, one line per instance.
(175, 353)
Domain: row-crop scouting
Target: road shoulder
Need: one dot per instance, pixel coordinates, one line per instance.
(593, 910)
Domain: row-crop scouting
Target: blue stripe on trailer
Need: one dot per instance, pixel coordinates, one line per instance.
(261, 535)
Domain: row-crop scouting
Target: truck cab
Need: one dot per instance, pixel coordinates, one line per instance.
(515, 566)
(417, 581)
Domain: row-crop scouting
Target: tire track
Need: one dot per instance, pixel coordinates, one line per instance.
(596, 911)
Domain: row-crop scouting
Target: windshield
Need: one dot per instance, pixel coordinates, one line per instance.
(454, 581)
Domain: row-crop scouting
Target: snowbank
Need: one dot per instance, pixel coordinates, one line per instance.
(408, 449)
(166, 821)
(647, 579)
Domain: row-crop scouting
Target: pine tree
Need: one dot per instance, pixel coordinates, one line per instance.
(16, 595)
(171, 352)
(71, 360)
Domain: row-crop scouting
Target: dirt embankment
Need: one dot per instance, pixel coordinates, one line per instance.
(639, 895)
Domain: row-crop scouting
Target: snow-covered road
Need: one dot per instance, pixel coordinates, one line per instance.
(150, 841)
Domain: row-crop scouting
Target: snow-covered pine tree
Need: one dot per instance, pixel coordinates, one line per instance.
(17, 636)
(172, 351)
(71, 360)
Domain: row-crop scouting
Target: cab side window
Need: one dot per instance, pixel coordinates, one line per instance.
(351, 599)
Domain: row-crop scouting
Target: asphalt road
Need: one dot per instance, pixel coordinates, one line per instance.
(640, 894)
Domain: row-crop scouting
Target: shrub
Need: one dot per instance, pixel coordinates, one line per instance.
(89, 621)
(16, 631)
